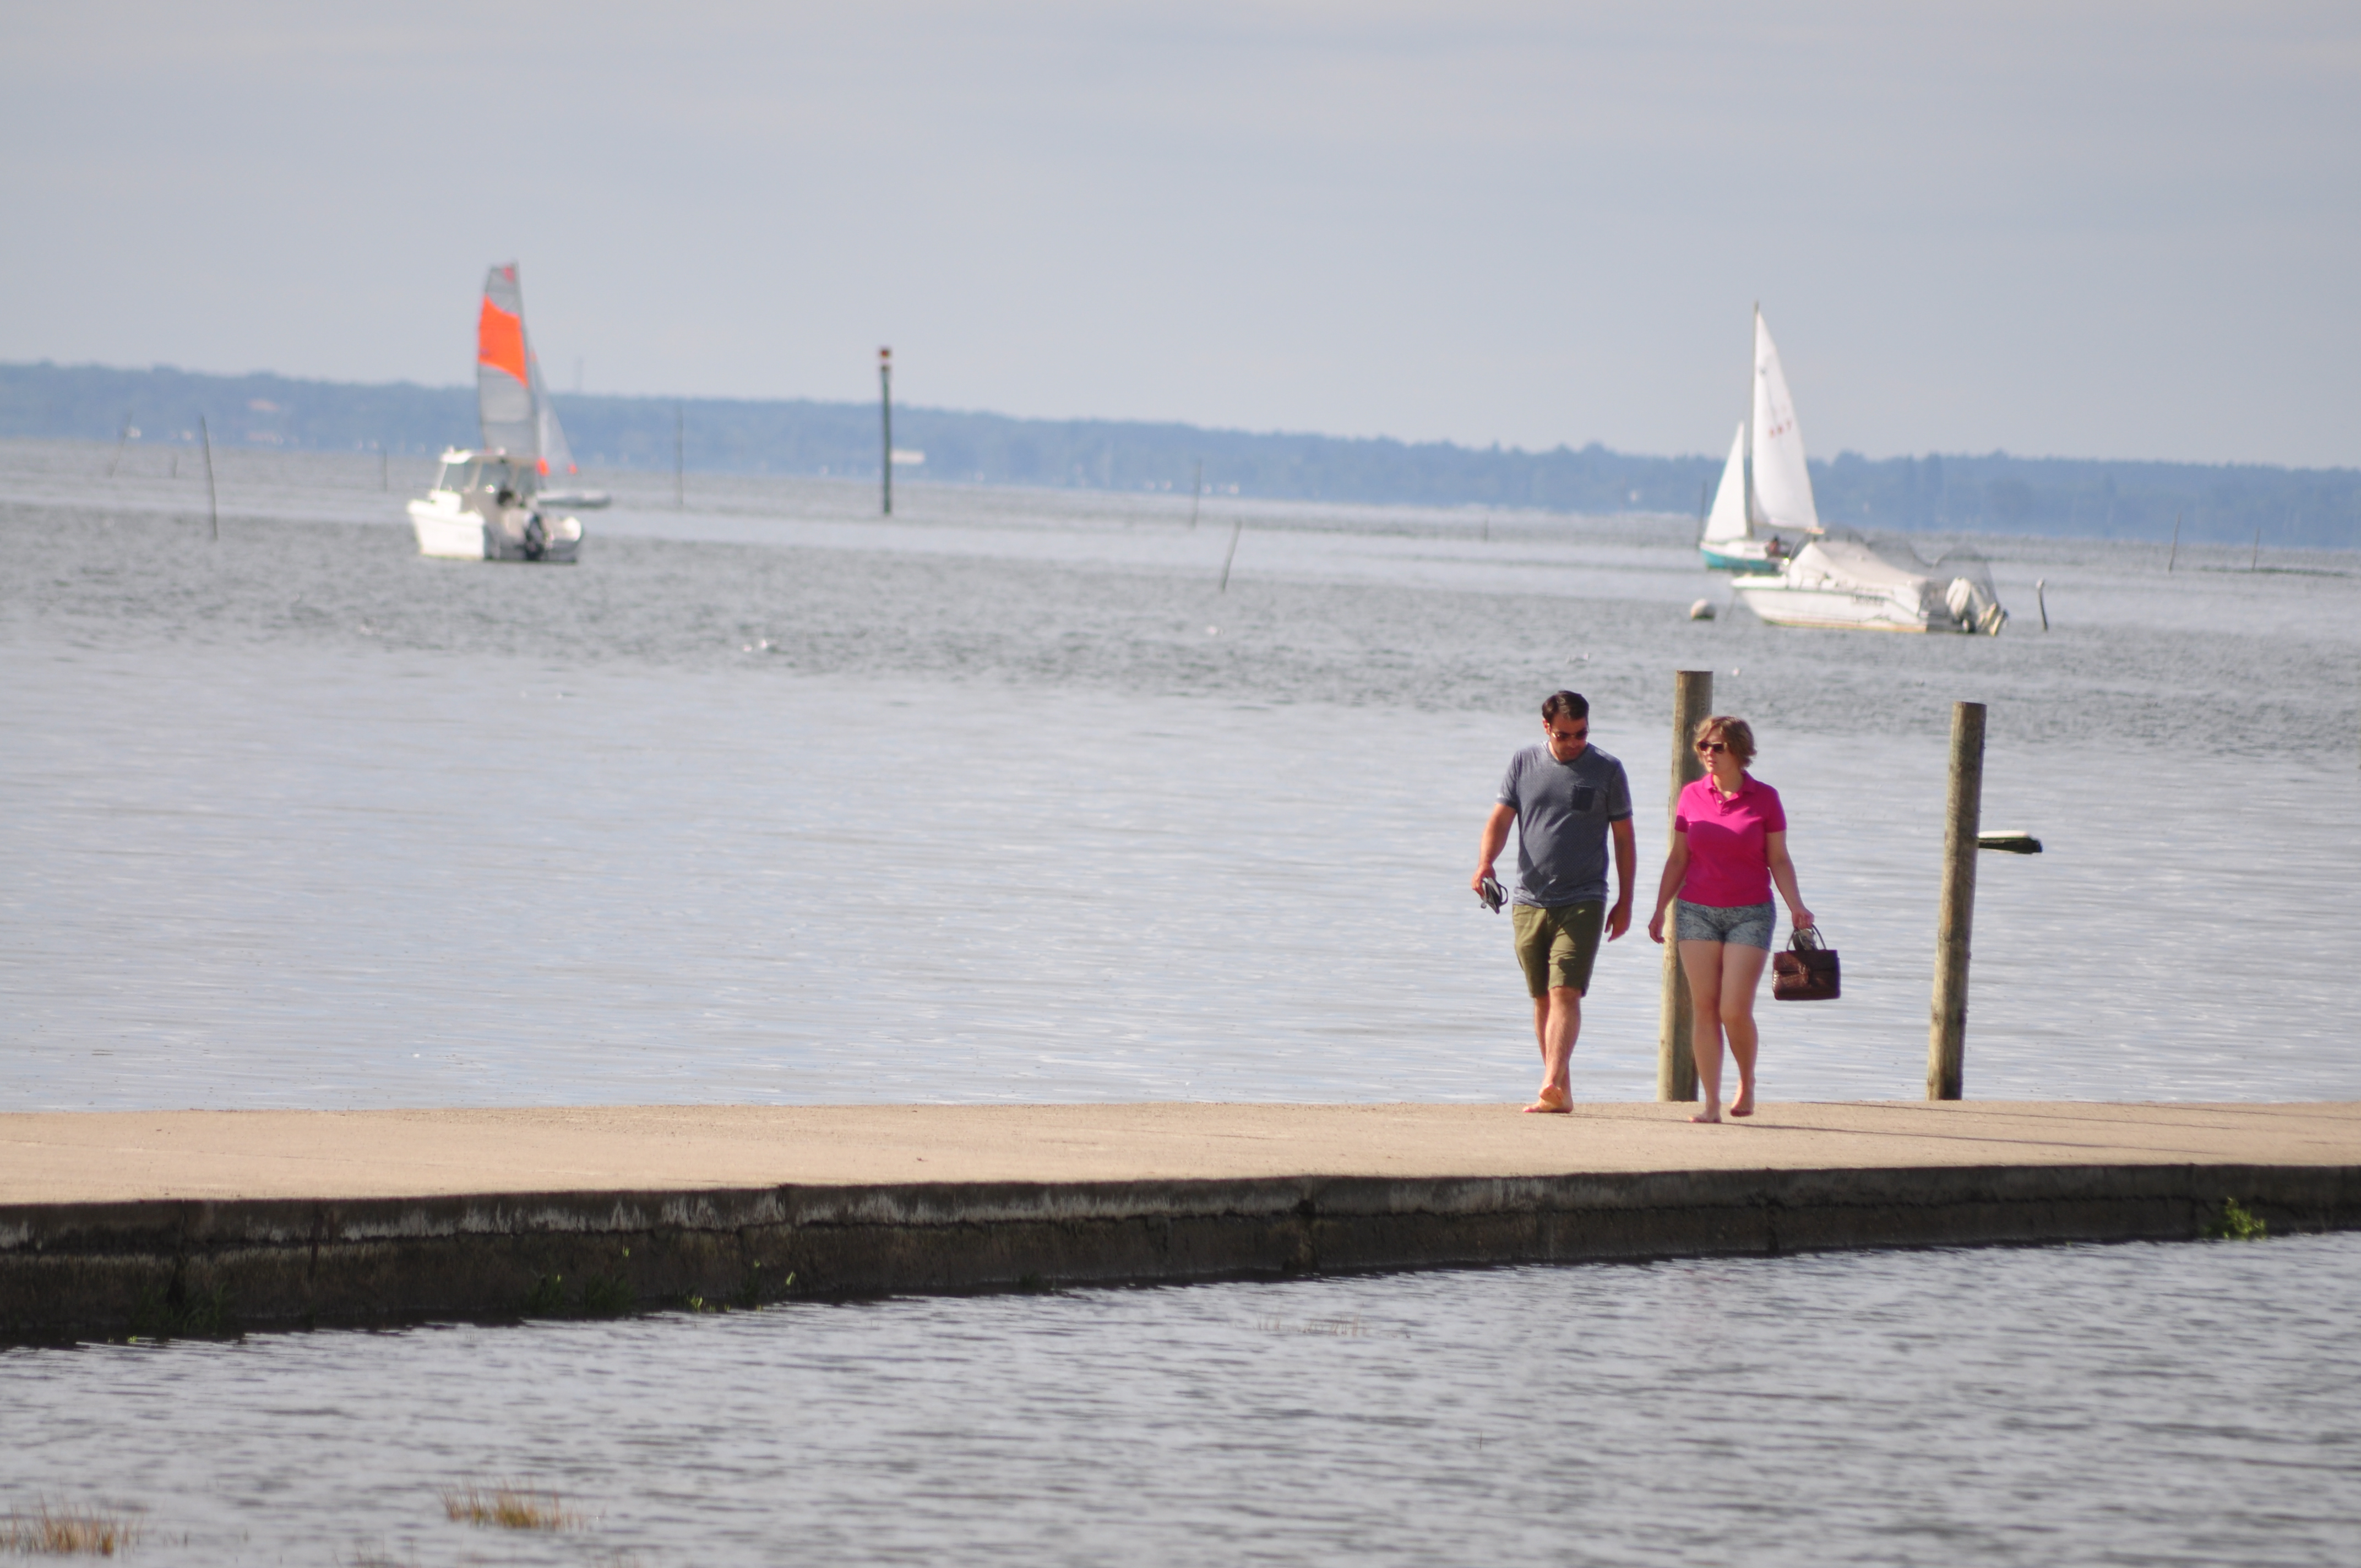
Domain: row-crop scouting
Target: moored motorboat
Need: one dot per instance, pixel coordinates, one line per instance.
(1840, 582)
(483, 508)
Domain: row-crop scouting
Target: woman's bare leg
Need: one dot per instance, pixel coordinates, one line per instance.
(1702, 962)
(1741, 972)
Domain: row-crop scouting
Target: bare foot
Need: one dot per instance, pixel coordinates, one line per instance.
(1553, 1101)
(1707, 1116)
(1743, 1105)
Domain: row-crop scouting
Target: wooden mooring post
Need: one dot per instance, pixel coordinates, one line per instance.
(1676, 1065)
(1946, 1033)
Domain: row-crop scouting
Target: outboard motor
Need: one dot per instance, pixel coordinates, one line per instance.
(1973, 608)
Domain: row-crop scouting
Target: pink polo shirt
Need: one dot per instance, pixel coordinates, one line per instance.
(1728, 868)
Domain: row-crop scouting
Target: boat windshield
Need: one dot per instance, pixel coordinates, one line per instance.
(452, 477)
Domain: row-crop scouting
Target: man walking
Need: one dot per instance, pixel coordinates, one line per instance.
(1565, 798)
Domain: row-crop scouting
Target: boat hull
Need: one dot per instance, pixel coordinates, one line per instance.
(448, 530)
(1833, 608)
(1744, 556)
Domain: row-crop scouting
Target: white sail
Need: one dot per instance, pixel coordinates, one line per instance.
(1782, 484)
(1728, 519)
(556, 457)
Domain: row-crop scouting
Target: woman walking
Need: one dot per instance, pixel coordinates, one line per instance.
(1729, 845)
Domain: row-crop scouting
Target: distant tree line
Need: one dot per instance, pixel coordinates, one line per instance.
(1992, 494)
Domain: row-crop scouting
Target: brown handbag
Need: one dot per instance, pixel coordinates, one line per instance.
(1806, 971)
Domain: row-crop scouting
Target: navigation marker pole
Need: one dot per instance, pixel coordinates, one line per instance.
(886, 418)
(1235, 529)
(1197, 497)
(2168, 560)
(213, 496)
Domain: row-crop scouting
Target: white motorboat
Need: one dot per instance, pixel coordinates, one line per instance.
(1840, 582)
(489, 504)
(1766, 485)
(483, 508)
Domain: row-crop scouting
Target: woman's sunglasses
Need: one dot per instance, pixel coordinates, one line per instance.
(1710, 747)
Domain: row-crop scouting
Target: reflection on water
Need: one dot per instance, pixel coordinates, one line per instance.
(2136, 1404)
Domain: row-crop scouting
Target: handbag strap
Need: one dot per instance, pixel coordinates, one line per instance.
(1807, 940)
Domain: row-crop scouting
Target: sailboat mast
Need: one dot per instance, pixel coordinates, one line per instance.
(1753, 374)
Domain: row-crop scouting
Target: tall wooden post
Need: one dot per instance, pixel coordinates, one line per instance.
(885, 410)
(1946, 1033)
(213, 496)
(1675, 1064)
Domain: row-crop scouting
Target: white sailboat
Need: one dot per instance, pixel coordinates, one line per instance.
(1729, 543)
(1827, 580)
(488, 504)
(1766, 485)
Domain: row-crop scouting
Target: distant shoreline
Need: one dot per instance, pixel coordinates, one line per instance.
(1994, 493)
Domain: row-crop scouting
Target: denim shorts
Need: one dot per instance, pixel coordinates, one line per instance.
(1747, 926)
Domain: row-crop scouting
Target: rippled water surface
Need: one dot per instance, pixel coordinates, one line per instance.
(770, 800)
(2144, 1404)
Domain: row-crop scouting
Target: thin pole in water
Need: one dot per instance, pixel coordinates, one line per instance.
(1235, 529)
(1675, 1058)
(2168, 560)
(1947, 1032)
(2257, 558)
(121, 436)
(2042, 599)
(213, 496)
(1197, 497)
(679, 458)
(885, 423)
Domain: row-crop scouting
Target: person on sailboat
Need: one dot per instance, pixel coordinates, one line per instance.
(1729, 845)
(1566, 798)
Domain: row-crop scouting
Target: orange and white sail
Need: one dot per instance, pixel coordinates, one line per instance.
(511, 401)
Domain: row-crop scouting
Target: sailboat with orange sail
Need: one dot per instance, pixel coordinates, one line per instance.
(492, 503)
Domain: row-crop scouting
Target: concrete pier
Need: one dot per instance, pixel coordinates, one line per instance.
(178, 1221)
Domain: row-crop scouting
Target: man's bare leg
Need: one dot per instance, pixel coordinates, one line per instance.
(1557, 1023)
(1558, 1034)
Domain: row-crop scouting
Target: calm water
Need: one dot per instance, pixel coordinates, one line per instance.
(1004, 801)
(770, 800)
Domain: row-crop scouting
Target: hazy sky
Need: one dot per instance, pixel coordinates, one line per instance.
(2125, 230)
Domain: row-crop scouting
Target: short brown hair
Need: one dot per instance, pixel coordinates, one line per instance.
(1572, 705)
(1734, 732)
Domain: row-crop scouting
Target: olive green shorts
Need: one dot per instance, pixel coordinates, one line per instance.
(1557, 946)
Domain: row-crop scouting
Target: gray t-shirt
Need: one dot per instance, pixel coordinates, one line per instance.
(1563, 810)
